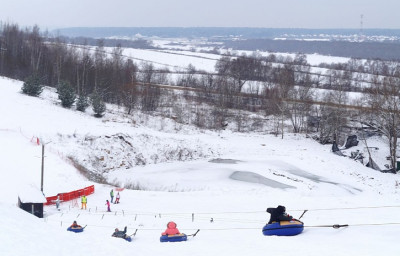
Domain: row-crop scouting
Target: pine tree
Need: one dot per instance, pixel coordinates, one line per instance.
(98, 105)
(82, 103)
(66, 94)
(32, 85)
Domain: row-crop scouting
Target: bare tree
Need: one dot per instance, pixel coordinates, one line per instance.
(385, 101)
(150, 94)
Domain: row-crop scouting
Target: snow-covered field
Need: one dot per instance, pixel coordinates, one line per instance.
(184, 46)
(177, 57)
(233, 179)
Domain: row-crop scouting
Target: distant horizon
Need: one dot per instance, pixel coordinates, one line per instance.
(245, 32)
(225, 27)
(313, 14)
(242, 27)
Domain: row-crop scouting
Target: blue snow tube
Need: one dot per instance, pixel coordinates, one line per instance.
(128, 238)
(173, 238)
(283, 228)
(76, 230)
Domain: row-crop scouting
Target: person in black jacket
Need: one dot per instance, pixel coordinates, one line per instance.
(278, 214)
(118, 233)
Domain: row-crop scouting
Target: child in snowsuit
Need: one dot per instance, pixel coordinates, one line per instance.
(278, 214)
(108, 206)
(117, 199)
(171, 229)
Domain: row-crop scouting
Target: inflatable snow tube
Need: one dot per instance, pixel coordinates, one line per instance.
(128, 238)
(173, 238)
(76, 230)
(283, 228)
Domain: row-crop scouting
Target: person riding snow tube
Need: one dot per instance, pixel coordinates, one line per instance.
(75, 227)
(172, 234)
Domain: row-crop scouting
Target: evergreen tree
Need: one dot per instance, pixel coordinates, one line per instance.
(82, 103)
(32, 85)
(66, 94)
(98, 105)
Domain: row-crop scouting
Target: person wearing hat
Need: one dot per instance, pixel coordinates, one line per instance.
(75, 225)
(278, 214)
(108, 206)
(171, 229)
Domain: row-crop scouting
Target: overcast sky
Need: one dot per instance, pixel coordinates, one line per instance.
(202, 13)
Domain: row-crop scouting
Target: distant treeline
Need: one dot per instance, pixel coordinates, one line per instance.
(359, 50)
(223, 32)
(138, 43)
(253, 39)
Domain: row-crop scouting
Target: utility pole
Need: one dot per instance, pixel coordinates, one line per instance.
(41, 183)
(41, 186)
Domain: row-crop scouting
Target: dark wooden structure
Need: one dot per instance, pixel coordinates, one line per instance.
(32, 201)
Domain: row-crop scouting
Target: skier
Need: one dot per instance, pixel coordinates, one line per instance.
(278, 214)
(117, 199)
(108, 206)
(112, 195)
(83, 201)
(171, 229)
(121, 234)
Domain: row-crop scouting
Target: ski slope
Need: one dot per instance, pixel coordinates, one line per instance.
(232, 185)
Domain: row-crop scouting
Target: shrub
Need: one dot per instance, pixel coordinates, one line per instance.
(98, 105)
(32, 85)
(82, 103)
(66, 94)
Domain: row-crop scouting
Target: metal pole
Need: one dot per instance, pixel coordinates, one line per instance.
(41, 186)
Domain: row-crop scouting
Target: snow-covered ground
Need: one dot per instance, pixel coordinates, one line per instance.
(177, 57)
(232, 180)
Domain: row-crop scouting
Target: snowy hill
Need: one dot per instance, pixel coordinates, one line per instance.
(228, 177)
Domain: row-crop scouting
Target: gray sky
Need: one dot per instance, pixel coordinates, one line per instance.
(202, 13)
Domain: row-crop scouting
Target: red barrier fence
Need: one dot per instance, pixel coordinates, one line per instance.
(70, 195)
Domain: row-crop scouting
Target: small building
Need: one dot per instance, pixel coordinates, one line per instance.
(31, 199)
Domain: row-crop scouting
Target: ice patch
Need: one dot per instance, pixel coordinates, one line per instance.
(224, 161)
(257, 178)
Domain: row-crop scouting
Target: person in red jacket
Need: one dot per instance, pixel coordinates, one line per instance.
(171, 229)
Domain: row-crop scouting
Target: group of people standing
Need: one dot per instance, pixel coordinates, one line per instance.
(84, 200)
(112, 198)
(116, 198)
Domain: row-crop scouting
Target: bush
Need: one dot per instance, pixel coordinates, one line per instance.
(82, 103)
(98, 105)
(32, 85)
(66, 94)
